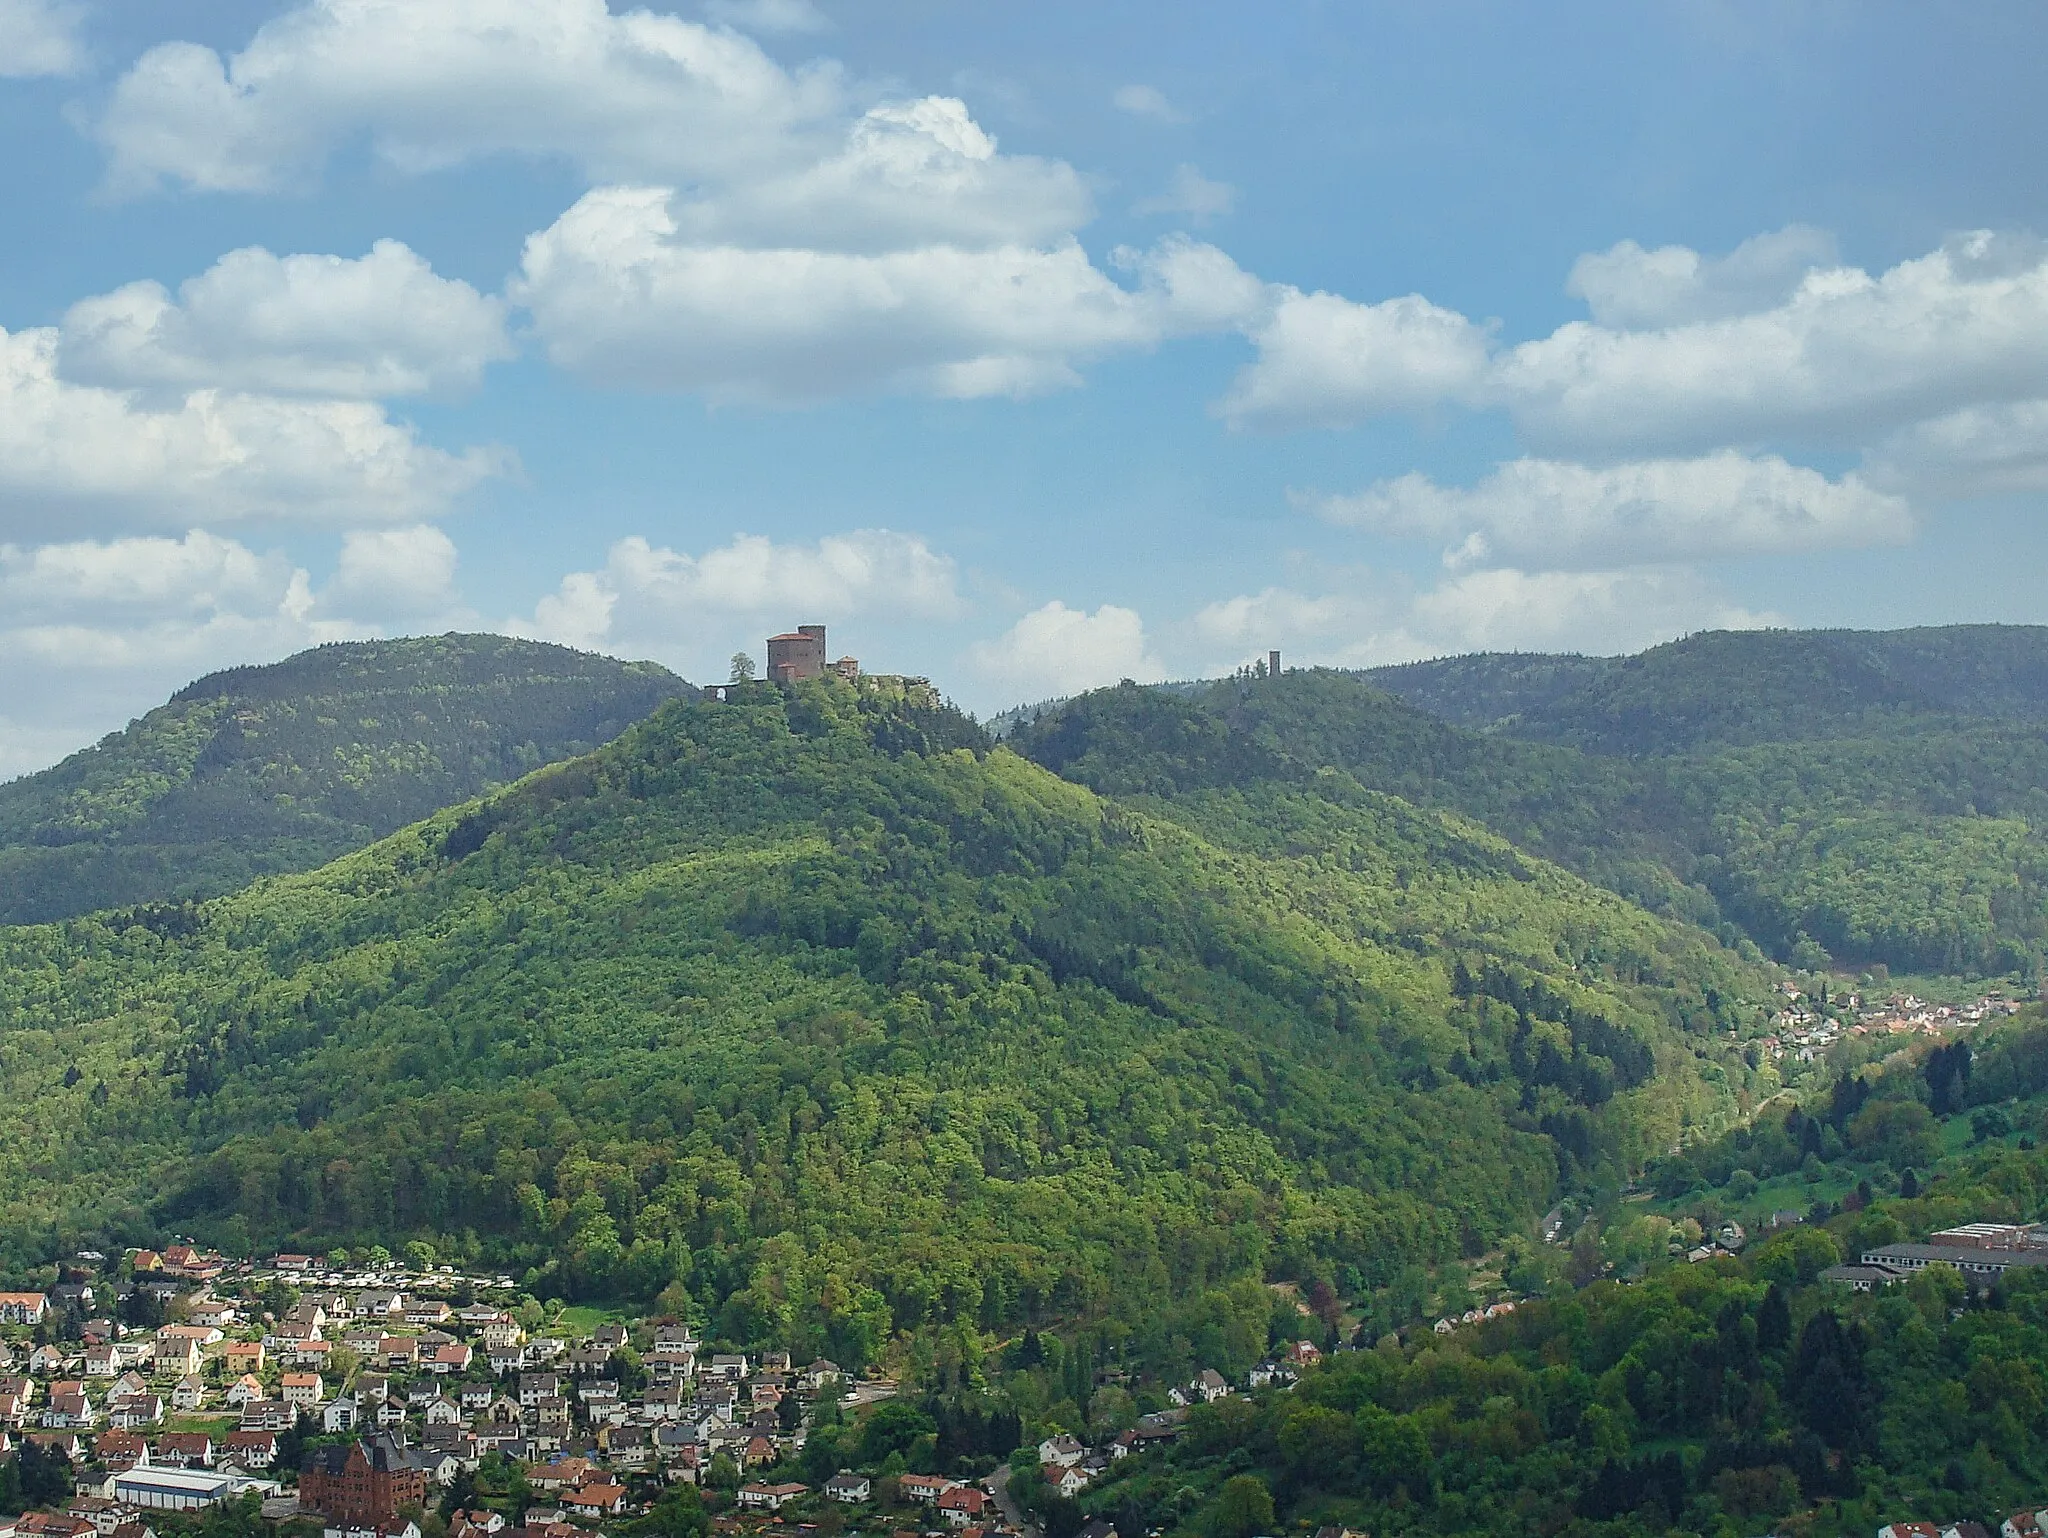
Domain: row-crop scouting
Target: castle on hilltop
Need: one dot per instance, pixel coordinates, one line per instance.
(800, 654)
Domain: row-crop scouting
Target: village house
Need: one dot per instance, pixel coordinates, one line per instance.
(253, 1449)
(1064, 1451)
(68, 1407)
(596, 1500)
(1067, 1481)
(766, 1497)
(184, 1450)
(130, 1411)
(962, 1506)
(922, 1487)
(848, 1487)
(303, 1389)
(268, 1415)
(23, 1307)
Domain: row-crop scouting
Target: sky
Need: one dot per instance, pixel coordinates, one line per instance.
(1027, 347)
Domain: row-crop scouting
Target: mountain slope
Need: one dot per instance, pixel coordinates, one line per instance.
(264, 769)
(816, 1005)
(1917, 847)
(1740, 688)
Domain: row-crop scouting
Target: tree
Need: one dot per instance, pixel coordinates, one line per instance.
(742, 668)
(1244, 1506)
(678, 1514)
(1774, 1320)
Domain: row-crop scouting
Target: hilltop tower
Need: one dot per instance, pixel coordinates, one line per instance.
(799, 653)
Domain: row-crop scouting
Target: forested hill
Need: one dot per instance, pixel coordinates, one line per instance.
(818, 1006)
(1740, 688)
(278, 768)
(1916, 845)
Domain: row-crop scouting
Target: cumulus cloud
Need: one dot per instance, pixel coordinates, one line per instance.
(1629, 288)
(94, 631)
(1057, 650)
(1570, 515)
(658, 599)
(1146, 101)
(1325, 361)
(393, 574)
(1977, 451)
(1191, 193)
(619, 293)
(1374, 621)
(1676, 364)
(620, 96)
(146, 578)
(906, 174)
(769, 15)
(40, 37)
(379, 325)
(67, 449)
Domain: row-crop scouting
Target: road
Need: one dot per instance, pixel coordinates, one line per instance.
(999, 1486)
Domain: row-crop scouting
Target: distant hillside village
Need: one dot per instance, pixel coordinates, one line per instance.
(356, 1400)
(1806, 1027)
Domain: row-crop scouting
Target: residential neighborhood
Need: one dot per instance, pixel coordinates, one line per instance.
(359, 1400)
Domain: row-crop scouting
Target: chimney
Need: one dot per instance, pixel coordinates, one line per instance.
(1272, 664)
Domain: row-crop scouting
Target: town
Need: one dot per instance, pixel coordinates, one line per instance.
(373, 1400)
(362, 1401)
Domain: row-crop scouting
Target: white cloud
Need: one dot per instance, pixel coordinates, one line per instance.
(1841, 359)
(143, 578)
(618, 294)
(393, 574)
(68, 449)
(1977, 451)
(1847, 356)
(1057, 650)
(655, 599)
(1325, 361)
(1190, 192)
(769, 15)
(1641, 512)
(40, 37)
(93, 631)
(907, 174)
(379, 325)
(1376, 621)
(623, 96)
(1146, 101)
(1629, 288)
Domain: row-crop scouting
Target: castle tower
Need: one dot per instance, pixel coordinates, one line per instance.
(799, 653)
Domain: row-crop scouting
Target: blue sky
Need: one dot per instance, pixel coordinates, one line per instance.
(1028, 347)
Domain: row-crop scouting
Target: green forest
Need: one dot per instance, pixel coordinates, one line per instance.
(1175, 1025)
(258, 770)
(820, 1008)
(1815, 806)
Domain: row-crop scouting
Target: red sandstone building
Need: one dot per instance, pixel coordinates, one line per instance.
(365, 1484)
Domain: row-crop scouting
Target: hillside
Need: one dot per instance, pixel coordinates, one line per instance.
(1740, 688)
(264, 769)
(1915, 848)
(818, 1006)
